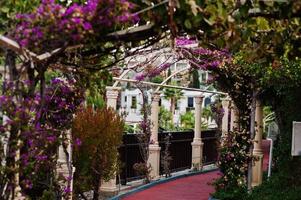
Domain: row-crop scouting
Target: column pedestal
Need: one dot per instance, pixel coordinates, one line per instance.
(225, 120)
(257, 169)
(197, 154)
(108, 188)
(154, 161)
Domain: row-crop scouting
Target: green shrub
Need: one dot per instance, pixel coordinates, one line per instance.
(48, 195)
(278, 187)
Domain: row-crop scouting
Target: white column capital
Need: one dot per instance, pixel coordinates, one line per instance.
(112, 92)
(258, 103)
(199, 99)
(226, 102)
(156, 96)
(233, 106)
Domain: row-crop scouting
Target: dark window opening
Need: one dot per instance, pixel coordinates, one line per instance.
(134, 102)
(190, 102)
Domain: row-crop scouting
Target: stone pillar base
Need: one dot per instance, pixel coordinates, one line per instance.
(154, 161)
(257, 169)
(197, 154)
(62, 170)
(108, 188)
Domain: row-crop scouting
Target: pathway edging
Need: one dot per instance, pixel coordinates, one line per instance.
(161, 181)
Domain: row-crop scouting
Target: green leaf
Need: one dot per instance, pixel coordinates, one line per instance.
(209, 21)
(187, 24)
(4, 9)
(262, 23)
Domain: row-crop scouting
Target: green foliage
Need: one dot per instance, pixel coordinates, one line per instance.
(165, 119)
(95, 83)
(48, 195)
(173, 95)
(277, 187)
(265, 30)
(282, 94)
(157, 79)
(187, 121)
(129, 128)
(231, 194)
(96, 135)
(207, 112)
(9, 9)
(278, 85)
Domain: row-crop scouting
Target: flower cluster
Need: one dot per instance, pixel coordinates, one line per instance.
(38, 124)
(151, 72)
(61, 100)
(206, 59)
(52, 25)
(183, 41)
(233, 160)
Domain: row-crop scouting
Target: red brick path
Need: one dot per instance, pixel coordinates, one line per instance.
(189, 188)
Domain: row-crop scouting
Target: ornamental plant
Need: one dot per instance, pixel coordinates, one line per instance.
(53, 26)
(144, 138)
(96, 134)
(37, 127)
(233, 163)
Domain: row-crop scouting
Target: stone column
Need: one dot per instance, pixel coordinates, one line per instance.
(18, 194)
(62, 164)
(257, 169)
(154, 148)
(112, 96)
(225, 120)
(234, 117)
(197, 144)
(109, 187)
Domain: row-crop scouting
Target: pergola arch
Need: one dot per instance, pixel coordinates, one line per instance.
(154, 148)
(169, 77)
(158, 86)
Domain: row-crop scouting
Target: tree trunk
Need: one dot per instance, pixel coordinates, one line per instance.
(172, 109)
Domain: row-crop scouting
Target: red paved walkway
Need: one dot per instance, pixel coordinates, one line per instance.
(192, 187)
(189, 188)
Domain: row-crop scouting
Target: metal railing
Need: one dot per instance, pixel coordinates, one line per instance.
(180, 150)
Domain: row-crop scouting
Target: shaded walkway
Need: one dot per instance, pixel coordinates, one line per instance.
(195, 187)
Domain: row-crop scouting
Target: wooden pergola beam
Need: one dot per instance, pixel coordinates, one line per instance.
(8, 43)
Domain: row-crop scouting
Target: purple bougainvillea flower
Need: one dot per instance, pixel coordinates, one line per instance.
(140, 77)
(78, 142)
(87, 26)
(67, 190)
